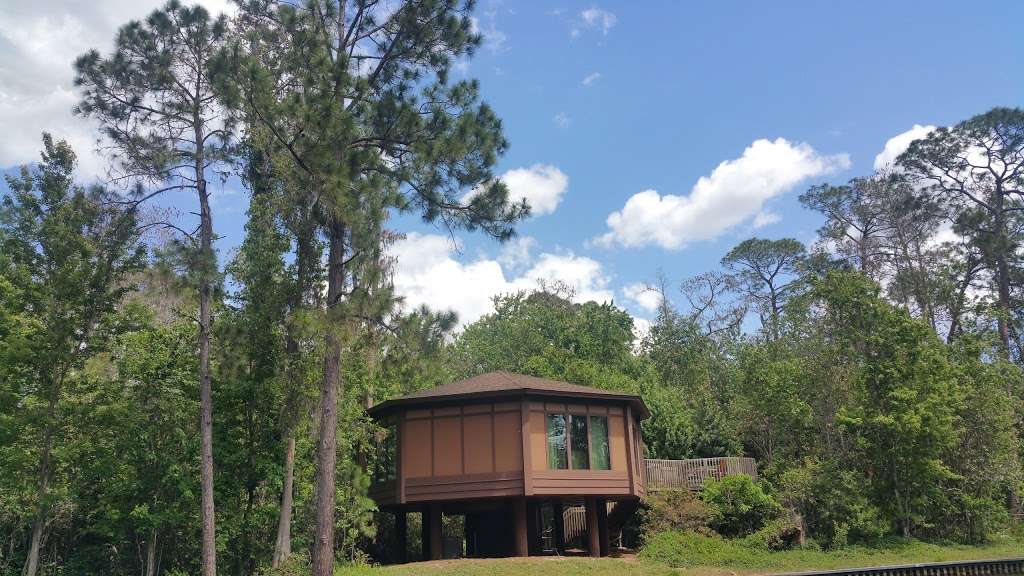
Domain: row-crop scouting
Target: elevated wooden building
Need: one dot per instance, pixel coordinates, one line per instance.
(509, 452)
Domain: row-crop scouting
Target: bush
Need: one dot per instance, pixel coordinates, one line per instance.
(784, 533)
(738, 506)
(834, 505)
(673, 510)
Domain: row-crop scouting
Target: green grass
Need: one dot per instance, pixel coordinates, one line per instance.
(692, 551)
(690, 555)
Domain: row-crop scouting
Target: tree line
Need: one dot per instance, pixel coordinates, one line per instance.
(165, 411)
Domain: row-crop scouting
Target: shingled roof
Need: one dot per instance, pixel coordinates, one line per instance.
(504, 384)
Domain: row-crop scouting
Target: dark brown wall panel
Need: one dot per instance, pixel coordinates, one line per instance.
(508, 441)
(447, 446)
(416, 450)
(479, 455)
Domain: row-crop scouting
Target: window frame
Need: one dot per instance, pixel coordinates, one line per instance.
(567, 419)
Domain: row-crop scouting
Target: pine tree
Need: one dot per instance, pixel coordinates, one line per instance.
(155, 101)
(358, 96)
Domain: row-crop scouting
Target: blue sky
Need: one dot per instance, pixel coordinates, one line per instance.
(604, 101)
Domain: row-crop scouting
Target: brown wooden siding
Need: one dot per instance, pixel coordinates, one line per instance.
(462, 487)
(477, 451)
(583, 482)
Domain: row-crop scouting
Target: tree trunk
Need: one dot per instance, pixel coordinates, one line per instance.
(283, 544)
(151, 554)
(38, 526)
(326, 456)
(209, 537)
(303, 260)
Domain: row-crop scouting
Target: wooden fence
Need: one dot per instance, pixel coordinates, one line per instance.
(691, 474)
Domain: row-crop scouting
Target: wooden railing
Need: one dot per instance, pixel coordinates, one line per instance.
(691, 474)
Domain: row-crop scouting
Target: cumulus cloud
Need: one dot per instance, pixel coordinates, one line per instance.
(541, 185)
(642, 295)
(593, 18)
(734, 192)
(38, 44)
(562, 120)
(899, 143)
(765, 218)
(427, 271)
(517, 253)
(591, 78)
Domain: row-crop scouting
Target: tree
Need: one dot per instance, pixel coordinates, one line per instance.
(904, 408)
(766, 272)
(155, 101)
(977, 169)
(71, 252)
(358, 96)
(854, 220)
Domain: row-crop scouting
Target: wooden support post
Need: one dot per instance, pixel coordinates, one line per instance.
(593, 539)
(401, 536)
(559, 520)
(425, 534)
(602, 526)
(435, 531)
(519, 521)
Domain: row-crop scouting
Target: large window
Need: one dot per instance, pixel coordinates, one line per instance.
(600, 457)
(577, 442)
(557, 459)
(578, 435)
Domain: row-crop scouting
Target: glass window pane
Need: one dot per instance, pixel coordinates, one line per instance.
(599, 453)
(557, 459)
(578, 436)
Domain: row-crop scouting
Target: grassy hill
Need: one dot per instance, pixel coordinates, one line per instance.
(682, 556)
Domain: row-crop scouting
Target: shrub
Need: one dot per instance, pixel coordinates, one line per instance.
(673, 510)
(738, 506)
(784, 533)
(834, 504)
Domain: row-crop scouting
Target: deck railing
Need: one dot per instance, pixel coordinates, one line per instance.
(691, 474)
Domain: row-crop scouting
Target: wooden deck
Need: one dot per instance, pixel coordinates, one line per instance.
(691, 474)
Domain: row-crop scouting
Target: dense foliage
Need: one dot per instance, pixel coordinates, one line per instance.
(163, 411)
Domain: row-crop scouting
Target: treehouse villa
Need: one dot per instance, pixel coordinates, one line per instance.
(533, 466)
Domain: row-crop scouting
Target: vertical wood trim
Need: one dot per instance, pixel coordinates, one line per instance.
(630, 450)
(433, 435)
(527, 456)
(462, 440)
(494, 442)
(399, 456)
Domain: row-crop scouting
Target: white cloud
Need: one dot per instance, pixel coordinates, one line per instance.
(591, 78)
(516, 254)
(765, 218)
(734, 192)
(494, 39)
(593, 18)
(427, 272)
(541, 185)
(562, 120)
(642, 295)
(898, 144)
(38, 44)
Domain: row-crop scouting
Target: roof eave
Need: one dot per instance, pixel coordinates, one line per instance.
(390, 405)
